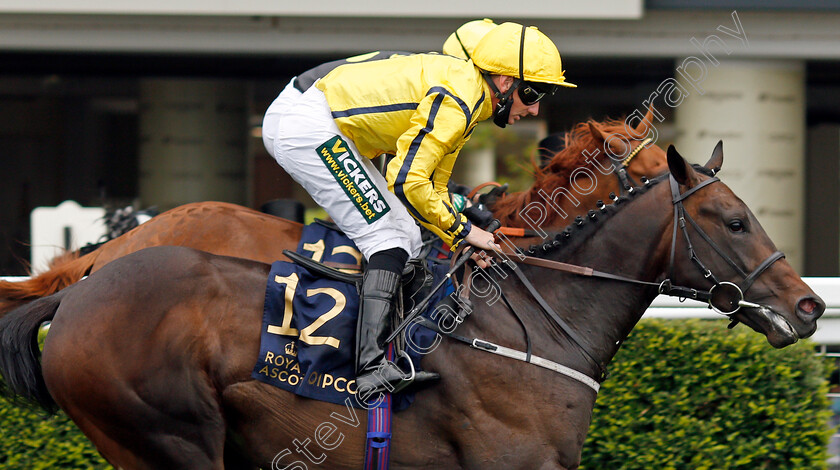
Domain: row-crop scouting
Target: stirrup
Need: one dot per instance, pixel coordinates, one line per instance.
(404, 381)
(420, 379)
(410, 365)
(400, 383)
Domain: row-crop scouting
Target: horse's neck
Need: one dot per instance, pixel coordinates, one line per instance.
(633, 243)
(541, 411)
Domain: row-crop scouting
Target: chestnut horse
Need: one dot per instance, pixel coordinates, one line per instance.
(590, 157)
(152, 355)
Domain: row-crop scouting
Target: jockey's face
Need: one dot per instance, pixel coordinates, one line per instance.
(518, 109)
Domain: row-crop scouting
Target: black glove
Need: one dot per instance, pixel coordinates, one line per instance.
(489, 198)
(478, 216)
(455, 188)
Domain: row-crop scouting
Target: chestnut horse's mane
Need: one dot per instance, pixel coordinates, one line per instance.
(557, 171)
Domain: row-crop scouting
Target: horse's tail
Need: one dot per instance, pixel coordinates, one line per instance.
(20, 355)
(64, 271)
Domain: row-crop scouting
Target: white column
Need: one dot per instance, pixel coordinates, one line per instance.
(758, 109)
(193, 142)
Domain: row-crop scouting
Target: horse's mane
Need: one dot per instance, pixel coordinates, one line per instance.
(557, 171)
(564, 243)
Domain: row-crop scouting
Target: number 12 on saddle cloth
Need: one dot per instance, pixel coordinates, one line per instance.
(309, 324)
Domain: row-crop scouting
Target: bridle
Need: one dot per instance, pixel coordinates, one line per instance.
(714, 296)
(625, 181)
(724, 297)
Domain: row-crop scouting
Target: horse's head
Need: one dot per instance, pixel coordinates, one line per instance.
(594, 160)
(719, 244)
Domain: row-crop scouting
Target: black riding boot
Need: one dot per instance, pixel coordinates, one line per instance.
(374, 372)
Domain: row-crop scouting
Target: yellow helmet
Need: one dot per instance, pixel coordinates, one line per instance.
(525, 53)
(462, 42)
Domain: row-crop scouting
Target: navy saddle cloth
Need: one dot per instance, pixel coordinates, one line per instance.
(307, 341)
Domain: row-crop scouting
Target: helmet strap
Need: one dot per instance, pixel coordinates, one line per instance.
(501, 113)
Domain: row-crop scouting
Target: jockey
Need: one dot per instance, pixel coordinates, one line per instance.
(421, 108)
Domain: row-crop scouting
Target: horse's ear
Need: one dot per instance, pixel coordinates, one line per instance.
(680, 169)
(716, 161)
(596, 131)
(641, 131)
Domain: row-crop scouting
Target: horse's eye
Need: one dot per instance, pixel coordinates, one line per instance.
(736, 226)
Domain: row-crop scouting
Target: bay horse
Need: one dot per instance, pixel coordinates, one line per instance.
(600, 157)
(152, 355)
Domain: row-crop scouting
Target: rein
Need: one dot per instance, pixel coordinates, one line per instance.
(725, 297)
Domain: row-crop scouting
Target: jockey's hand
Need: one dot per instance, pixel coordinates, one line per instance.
(482, 240)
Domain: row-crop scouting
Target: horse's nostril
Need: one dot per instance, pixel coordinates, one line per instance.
(810, 308)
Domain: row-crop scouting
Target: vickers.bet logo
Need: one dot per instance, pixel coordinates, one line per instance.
(351, 176)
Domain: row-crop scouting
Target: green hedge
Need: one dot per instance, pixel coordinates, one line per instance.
(693, 395)
(30, 439)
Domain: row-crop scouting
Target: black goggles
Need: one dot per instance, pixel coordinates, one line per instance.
(530, 93)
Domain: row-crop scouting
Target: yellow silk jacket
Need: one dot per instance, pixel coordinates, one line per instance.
(421, 108)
